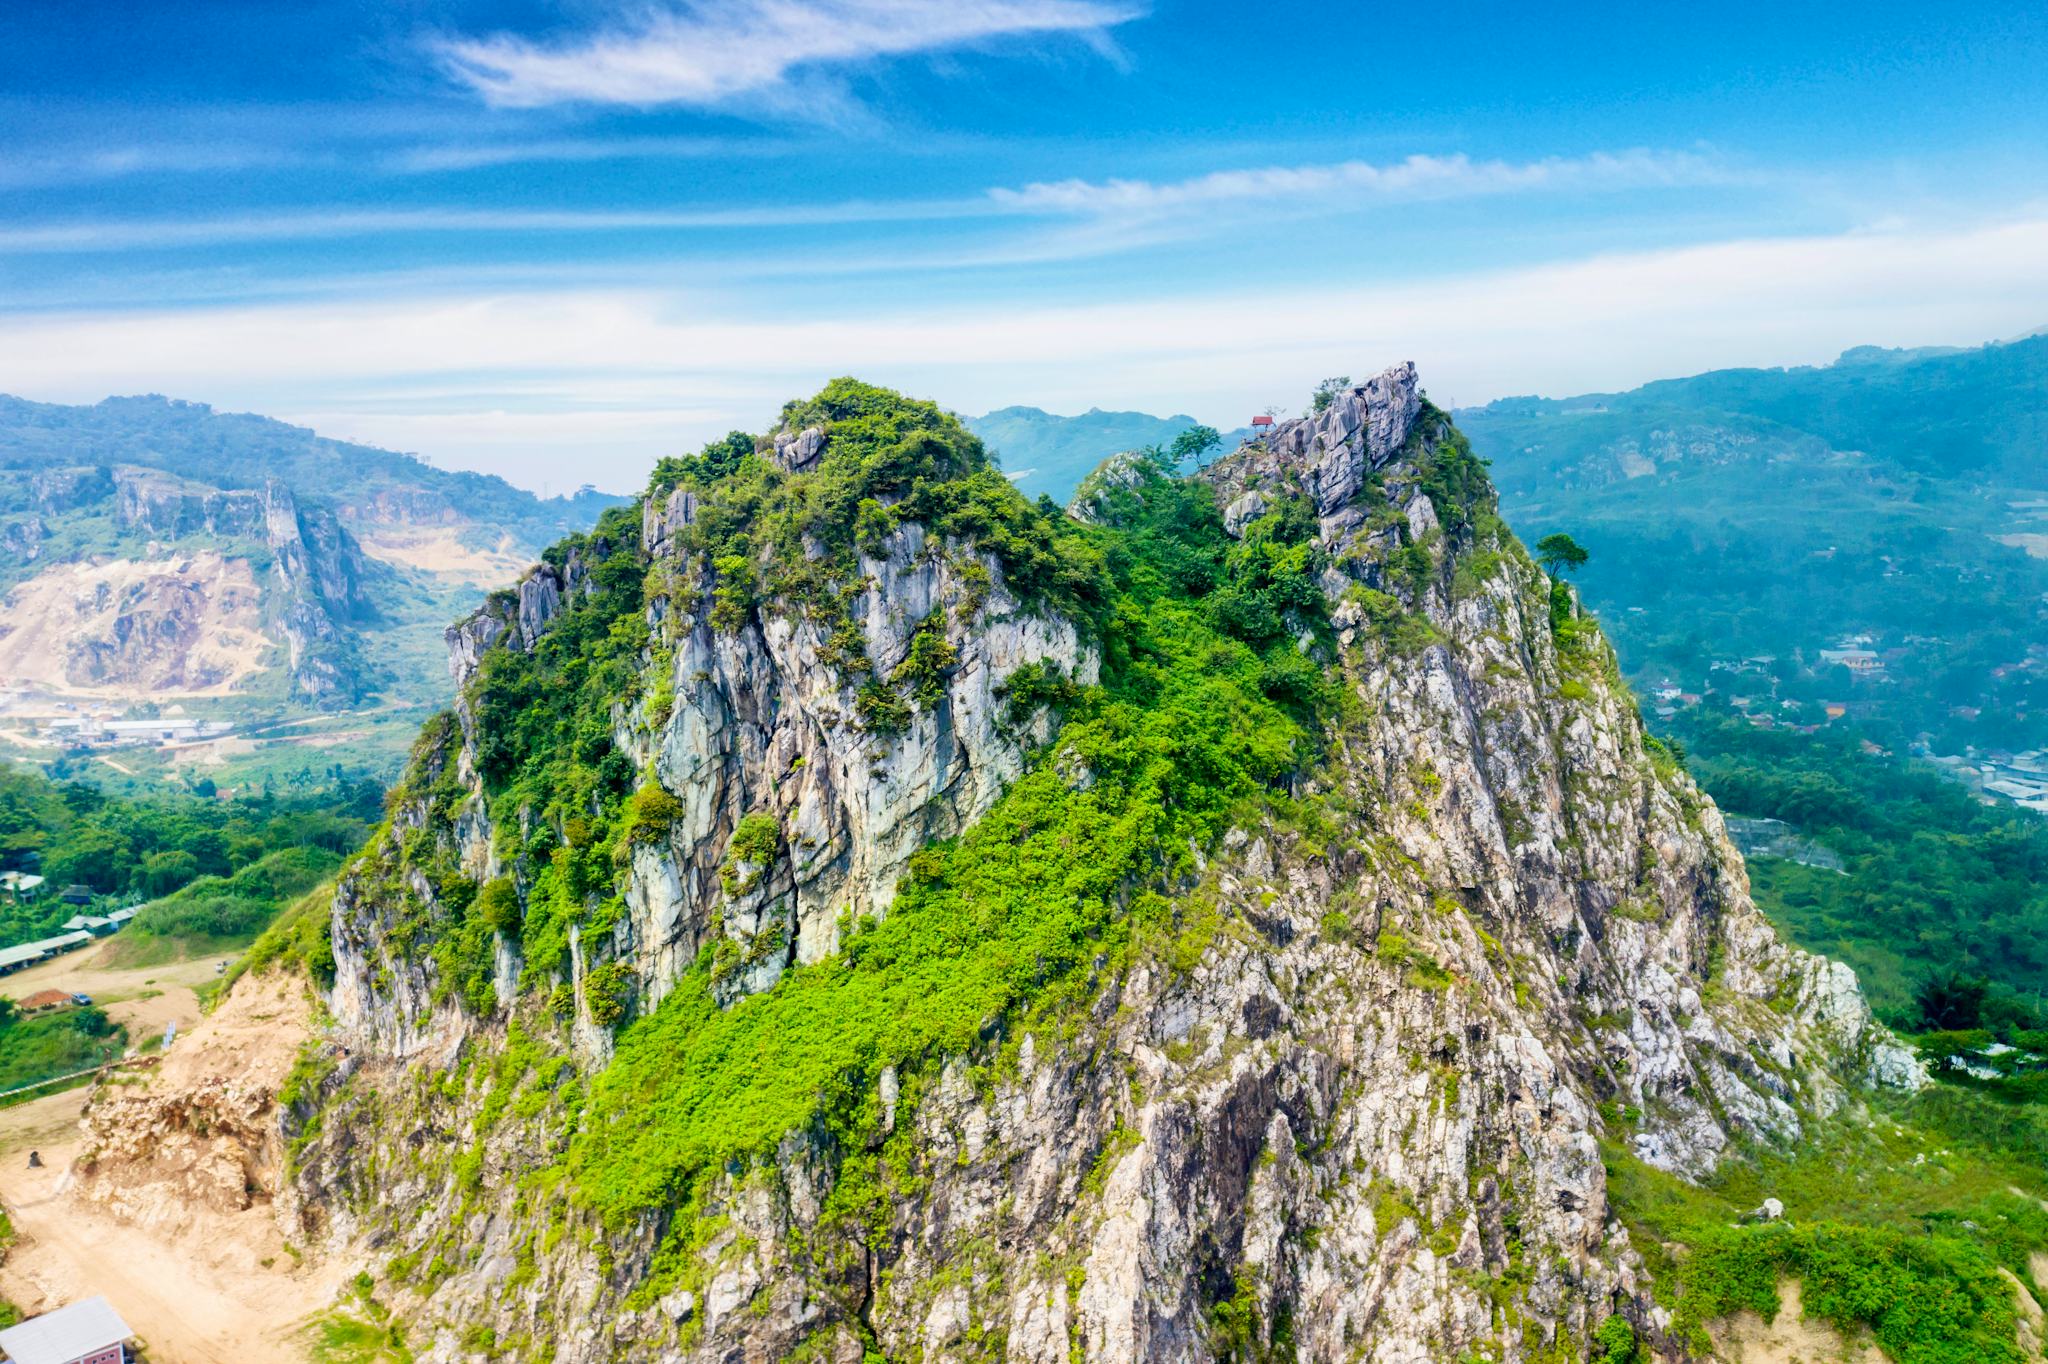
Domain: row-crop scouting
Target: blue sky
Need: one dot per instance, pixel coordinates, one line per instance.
(557, 238)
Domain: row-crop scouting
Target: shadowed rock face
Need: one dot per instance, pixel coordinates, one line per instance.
(1367, 1105)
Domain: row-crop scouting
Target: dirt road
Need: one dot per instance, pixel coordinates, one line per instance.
(179, 1307)
(142, 998)
(200, 1283)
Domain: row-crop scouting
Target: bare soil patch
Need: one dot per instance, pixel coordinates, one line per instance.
(161, 1199)
(1746, 1338)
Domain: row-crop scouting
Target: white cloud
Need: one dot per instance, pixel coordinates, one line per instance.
(760, 53)
(1417, 177)
(476, 155)
(1116, 202)
(146, 233)
(1603, 322)
(138, 159)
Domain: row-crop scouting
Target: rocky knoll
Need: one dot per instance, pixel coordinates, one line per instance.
(1325, 1078)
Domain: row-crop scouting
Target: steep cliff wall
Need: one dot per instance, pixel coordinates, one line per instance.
(1306, 907)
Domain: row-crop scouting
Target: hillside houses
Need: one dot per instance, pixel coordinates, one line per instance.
(88, 929)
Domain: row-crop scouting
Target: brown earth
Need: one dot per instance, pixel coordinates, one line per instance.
(141, 998)
(160, 1198)
(439, 550)
(1746, 1338)
(186, 625)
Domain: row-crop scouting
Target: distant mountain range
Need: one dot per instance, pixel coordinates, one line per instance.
(1894, 505)
(1045, 453)
(1895, 500)
(156, 552)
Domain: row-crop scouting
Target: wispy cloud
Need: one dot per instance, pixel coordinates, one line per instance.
(1104, 212)
(139, 159)
(766, 55)
(1417, 177)
(314, 225)
(480, 155)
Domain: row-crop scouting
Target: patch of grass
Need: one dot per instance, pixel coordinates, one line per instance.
(1898, 1224)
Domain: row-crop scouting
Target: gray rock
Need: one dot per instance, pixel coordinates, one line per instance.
(1412, 1038)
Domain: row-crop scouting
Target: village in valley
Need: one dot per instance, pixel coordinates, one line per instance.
(1850, 681)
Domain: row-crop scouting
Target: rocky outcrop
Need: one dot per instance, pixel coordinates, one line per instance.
(760, 724)
(1355, 1109)
(201, 1137)
(1327, 455)
(1119, 473)
(163, 632)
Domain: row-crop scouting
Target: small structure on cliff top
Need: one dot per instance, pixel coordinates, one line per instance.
(88, 1332)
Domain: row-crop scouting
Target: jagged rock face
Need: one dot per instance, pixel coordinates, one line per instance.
(1365, 1108)
(1327, 455)
(759, 723)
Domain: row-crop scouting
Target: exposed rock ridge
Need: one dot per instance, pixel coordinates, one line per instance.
(1327, 454)
(1366, 1111)
(755, 722)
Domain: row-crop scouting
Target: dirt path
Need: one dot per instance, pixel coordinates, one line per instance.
(200, 1281)
(142, 998)
(179, 1308)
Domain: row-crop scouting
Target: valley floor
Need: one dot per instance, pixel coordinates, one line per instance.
(143, 999)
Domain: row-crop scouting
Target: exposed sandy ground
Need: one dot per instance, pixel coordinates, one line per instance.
(2031, 1333)
(143, 998)
(203, 610)
(200, 1280)
(1745, 1339)
(439, 550)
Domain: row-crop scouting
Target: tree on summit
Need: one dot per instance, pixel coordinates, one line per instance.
(1327, 391)
(1190, 445)
(1559, 553)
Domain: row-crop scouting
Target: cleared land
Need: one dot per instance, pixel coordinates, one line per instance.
(201, 1280)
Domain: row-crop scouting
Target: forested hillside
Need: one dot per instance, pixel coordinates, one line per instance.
(1743, 521)
(212, 870)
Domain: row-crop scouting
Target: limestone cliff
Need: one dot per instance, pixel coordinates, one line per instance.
(1331, 1085)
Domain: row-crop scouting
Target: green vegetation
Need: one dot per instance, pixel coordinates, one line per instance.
(300, 939)
(1560, 555)
(1614, 1343)
(1936, 880)
(356, 1330)
(227, 911)
(1773, 513)
(43, 1046)
(220, 867)
(1897, 1226)
(1206, 709)
(1011, 924)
